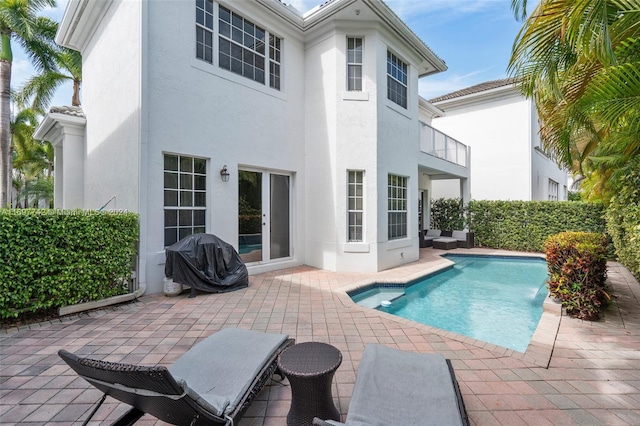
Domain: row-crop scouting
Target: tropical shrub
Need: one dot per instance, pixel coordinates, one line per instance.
(577, 264)
(447, 214)
(55, 258)
(524, 225)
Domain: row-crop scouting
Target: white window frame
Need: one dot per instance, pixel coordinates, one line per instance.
(354, 62)
(397, 78)
(397, 223)
(204, 26)
(355, 206)
(185, 196)
(253, 52)
(553, 190)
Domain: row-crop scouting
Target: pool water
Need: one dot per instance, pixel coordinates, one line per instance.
(493, 299)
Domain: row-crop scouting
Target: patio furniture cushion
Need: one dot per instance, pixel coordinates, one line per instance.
(459, 235)
(395, 387)
(433, 233)
(234, 357)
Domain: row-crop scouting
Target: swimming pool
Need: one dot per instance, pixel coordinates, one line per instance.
(495, 299)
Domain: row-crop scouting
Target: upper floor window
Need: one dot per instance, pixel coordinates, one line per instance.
(397, 206)
(355, 208)
(242, 45)
(396, 80)
(553, 190)
(185, 197)
(204, 30)
(354, 64)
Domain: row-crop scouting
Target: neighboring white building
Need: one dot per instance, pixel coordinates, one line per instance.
(296, 138)
(508, 161)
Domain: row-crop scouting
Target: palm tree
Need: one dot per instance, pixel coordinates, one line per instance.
(580, 62)
(19, 22)
(33, 160)
(41, 87)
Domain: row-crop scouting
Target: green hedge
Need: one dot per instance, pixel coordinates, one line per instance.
(55, 258)
(447, 214)
(524, 225)
(577, 263)
(623, 222)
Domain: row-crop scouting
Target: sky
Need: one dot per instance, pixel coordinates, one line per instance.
(473, 37)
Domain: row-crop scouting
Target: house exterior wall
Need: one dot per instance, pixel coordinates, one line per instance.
(225, 118)
(500, 134)
(398, 148)
(147, 95)
(113, 55)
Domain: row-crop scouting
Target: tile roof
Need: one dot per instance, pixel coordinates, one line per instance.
(67, 110)
(494, 84)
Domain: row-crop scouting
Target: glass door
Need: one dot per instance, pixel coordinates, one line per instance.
(250, 216)
(264, 221)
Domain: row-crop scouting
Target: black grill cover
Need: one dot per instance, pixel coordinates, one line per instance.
(206, 263)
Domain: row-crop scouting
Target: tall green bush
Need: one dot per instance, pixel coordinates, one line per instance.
(623, 222)
(54, 258)
(577, 263)
(447, 214)
(524, 225)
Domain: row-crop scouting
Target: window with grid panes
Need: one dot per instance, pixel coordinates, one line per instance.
(355, 208)
(243, 49)
(553, 190)
(185, 197)
(396, 80)
(397, 206)
(204, 30)
(354, 64)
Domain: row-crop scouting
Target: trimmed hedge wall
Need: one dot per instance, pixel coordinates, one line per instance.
(524, 225)
(623, 222)
(55, 258)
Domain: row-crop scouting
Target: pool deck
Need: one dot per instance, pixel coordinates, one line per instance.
(593, 374)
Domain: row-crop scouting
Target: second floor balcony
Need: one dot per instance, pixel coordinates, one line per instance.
(438, 144)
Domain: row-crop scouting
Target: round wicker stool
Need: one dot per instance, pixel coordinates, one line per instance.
(310, 367)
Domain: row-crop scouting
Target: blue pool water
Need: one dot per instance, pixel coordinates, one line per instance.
(493, 299)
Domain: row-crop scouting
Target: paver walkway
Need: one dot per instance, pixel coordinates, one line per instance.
(593, 376)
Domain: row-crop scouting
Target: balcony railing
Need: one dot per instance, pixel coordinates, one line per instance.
(438, 144)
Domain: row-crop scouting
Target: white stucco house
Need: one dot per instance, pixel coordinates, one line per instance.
(298, 138)
(508, 162)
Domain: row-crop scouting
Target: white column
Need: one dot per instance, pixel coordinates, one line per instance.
(58, 170)
(73, 167)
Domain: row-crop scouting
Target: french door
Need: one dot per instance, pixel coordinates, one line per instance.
(264, 215)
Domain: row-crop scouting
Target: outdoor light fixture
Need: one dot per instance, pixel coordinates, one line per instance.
(224, 174)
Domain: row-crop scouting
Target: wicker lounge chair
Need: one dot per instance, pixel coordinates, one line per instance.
(212, 383)
(397, 388)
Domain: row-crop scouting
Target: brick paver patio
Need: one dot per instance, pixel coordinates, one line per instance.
(593, 374)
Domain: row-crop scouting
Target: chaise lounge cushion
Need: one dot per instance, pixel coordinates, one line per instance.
(403, 388)
(218, 379)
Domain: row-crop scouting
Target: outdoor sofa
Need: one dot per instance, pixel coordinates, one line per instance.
(398, 388)
(448, 239)
(212, 383)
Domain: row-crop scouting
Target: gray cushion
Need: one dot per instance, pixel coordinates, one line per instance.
(446, 240)
(433, 233)
(403, 388)
(218, 371)
(459, 235)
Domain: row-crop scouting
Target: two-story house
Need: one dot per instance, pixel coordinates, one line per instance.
(296, 138)
(509, 161)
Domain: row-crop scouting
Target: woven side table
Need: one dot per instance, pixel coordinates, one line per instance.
(310, 367)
